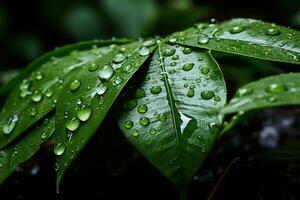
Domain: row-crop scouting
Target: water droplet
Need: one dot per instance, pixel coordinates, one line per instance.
(169, 52)
(135, 133)
(128, 124)
(60, 149)
(172, 71)
(172, 40)
(139, 93)
(93, 67)
(236, 29)
(49, 93)
(38, 76)
(275, 88)
(152, 131)
(244, 92)
(198, 80)
(33, 112)
(73, 124)
(10, 124)
(272, 99)
(118, 80)
(162, 117)
(142, 108)
(84, 113)
(44, 136)
(205, 70)
(175, 57)
(156, 89)
(172, 64)
(203, 39)
(207, 94)
(147, 78)
(127, 69)
(217, 98)
(101, 89)
(119, 58)
(201, 26)
(149, 43)
(187, 50)
(273, 31)
(188, 66)
(75, 85)
(144, 51)
(25, 85)
(144, 121)
(106, 72)
(37, 96)
(191, 93)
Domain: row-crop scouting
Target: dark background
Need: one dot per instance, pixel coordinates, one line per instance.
(109, 168)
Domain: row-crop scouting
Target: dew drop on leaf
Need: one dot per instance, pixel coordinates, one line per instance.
(144, 51)
(275, 88)
(236, 29)
(127, 69)
(38, 76)
(25, 85)
(172, 64)
(33, 112)
(142, 108)
(244, 92)
(169, 52)
(187, 50)
(101, 89)
(10, 124)
(162, 117)
(149, 43)
(191, 93)
(135, 133)
(198, 80)
(73, 124)
(93, 67)
(205, 70)
(152, 131)
(118, 80)
(49, 93)
(217, 98)
(272, 99)
(75, 85)
(84, 113)
(207, 94)
(175, 57)
(59, 149)
(155, 89)
(203, 39)
(188, 66)
(119, 58)
(44, 136)
(172, 71)
(273, 31)
(37, 96)
(106, 72)
(128, 124)
(144, 121)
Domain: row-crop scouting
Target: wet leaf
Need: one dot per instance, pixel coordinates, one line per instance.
(170, 122)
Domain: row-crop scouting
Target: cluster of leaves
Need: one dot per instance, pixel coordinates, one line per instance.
(173, 115)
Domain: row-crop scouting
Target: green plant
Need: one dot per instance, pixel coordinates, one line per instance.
(172, 111)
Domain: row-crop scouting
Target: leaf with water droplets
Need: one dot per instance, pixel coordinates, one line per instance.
(246, 37)
(12, 156)
(279, 90)
(167, 123)
(79, 113)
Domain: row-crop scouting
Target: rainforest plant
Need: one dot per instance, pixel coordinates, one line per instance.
(169, 95)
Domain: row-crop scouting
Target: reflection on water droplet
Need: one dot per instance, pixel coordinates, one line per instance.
(33, 112)
(273, 31)
(73, 124)
(207, 94)
(127, 69)
(203, 39)
(175, 57)
(101, 89)
(217, 98)
(84, 113)
(144, 51)
(59, 149)
(49, 93)
(191, 93)
(162, 117)
(205, 70)
(149, 43)
(187, 50)
(106, 72)
(155, 89)
(10, 124)
(236, 29)
(142, 109)
(272, 99)
(128, 124)
(44, 136)
(135, 133)
(118, 80)
(169, 52)
(172, 64)
(275, 88)
(152, 131)
(37, 96)
(38, 76)
(244, 92)
(144, 121)
(188, 66)
(119, 58)
(75, 85)
(25, 85)
(93, 67)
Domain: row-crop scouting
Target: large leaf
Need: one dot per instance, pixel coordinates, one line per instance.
(13, 156)
(80, 111)
(38, 93)
(58, 52)
(246, 37)
(167, 118)
(272, 91)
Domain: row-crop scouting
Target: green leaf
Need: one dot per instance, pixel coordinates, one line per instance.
(167, 119)
(272, 91)
(58, 52)
(38, 93)
(81, 111)
(246, 37)
(11, 157)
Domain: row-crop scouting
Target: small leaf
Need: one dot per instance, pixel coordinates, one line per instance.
(272, 91)
(40, 90)
(169, 122)
(13, 156)
(79, 113)
(246, 37)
